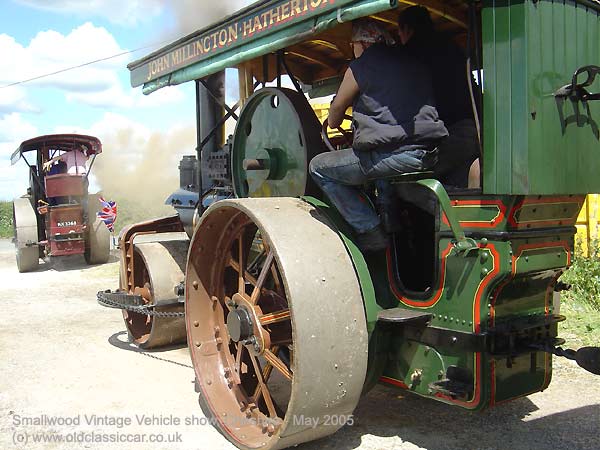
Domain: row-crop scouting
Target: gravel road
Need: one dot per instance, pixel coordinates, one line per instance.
(65, 359)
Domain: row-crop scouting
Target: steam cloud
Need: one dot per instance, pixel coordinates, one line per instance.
(142, 172)
(192, 15)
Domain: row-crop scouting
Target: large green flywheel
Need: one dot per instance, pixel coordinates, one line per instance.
(276, 136)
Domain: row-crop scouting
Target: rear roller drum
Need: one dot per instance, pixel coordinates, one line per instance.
(158, 268)
(97, 243)
(275, 321)
(97, 236)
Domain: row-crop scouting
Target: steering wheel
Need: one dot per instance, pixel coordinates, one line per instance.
(344, 140)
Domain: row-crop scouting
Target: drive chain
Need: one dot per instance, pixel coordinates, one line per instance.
(146, 310)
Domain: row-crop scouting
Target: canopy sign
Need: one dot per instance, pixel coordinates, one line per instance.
(201, 45)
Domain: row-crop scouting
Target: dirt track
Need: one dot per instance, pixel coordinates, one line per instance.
(64, 357)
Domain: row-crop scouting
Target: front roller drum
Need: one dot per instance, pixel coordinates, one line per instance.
(276, 323)
(158, 268)
(25, 230)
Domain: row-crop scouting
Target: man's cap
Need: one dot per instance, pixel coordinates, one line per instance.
(367, 30)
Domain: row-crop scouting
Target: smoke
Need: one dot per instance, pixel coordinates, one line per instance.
(139, 171)
(137, 167)
(192, 15)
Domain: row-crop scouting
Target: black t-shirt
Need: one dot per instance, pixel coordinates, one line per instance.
(448, 67)
(396, 103)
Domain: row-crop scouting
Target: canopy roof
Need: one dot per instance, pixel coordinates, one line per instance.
(314, 34)
(62, 142)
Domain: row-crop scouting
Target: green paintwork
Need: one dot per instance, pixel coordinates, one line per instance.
(531, 49)
(476, 285)
(264, 131)
(259, 44)
(477, 288)
(278, 128)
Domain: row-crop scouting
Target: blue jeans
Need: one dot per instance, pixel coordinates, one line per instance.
(340, 173)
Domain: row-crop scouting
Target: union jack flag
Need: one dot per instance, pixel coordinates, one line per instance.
(108, 213)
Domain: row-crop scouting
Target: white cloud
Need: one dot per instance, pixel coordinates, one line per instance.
(128, 12)
(13, 130)
(190, 14)
(50, 51)
(13, 179)
(14, 99)
(116, 97)
(96, 85)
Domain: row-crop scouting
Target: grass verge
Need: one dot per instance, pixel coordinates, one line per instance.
(6, 218)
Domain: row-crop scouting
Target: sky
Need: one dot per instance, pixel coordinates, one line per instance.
(143, 136)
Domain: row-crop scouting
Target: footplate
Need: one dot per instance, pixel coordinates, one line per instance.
(405, 316)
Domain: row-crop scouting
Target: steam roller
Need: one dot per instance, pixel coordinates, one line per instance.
(287, 321)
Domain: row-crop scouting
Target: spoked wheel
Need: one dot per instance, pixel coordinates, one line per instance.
(343, 141)
(275, 320)
(158, 268)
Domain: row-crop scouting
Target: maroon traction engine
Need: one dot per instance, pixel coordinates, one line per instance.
(57, 217)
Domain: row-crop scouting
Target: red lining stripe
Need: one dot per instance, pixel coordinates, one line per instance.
(479, 224)
(414, 302)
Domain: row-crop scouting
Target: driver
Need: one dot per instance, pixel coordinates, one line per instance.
(395, 123)
(74, 159)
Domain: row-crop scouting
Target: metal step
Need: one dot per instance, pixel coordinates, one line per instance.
(404, 316)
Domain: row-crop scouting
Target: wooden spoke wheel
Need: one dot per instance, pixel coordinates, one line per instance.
(159, 265)
(275, 321)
